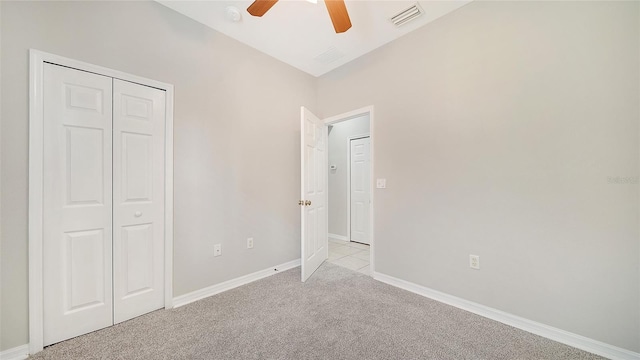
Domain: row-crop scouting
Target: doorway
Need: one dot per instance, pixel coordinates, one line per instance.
(349, 191)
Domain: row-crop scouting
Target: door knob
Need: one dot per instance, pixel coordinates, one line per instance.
(138, 213)
(307, 203)
(301, 202)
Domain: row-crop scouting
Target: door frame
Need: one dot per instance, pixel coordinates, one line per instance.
(37, 59)
(349, 139)
(367, 110)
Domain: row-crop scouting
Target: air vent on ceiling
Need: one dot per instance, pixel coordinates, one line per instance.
(407, 15)
(330, 55)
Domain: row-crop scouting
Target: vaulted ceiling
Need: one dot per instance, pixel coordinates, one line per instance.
(300, 32)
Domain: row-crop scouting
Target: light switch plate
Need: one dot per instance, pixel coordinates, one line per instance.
(381, 183)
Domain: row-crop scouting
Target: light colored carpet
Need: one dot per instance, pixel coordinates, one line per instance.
(337, 314)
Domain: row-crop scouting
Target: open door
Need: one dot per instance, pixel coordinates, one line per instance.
(313, 203)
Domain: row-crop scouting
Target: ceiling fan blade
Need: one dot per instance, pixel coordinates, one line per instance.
(339, 15)
(260, 7)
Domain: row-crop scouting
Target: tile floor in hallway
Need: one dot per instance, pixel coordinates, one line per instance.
(351, 255)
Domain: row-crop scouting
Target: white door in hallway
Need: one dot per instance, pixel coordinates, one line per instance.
(138, 199)
(77, 202)
(103, 203)
(314, 241)
(360, 189)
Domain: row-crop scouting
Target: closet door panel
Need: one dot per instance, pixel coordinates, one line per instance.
(138, 193)
(77, 232)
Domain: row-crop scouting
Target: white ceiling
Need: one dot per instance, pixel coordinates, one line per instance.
(300, 33)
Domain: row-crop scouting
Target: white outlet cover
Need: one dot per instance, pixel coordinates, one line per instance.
(249, 243)
(474, 262)
(381, 183)
(217, 250)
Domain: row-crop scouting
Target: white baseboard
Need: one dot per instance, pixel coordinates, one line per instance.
(16, 353)
(338, 237)
(549, 332)
(233, 283)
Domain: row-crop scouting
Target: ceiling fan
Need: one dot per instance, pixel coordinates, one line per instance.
(336, 8)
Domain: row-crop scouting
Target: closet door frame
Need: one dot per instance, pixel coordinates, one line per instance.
(37, 59)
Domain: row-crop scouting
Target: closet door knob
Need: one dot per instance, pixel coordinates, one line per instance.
(138, 213)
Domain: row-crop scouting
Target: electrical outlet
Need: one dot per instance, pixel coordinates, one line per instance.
(381, 183)
(249, 243)
(217, 250)
(474, 262)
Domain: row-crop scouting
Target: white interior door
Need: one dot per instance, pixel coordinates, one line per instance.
(138, 197)
(77, 252)
(314, 241)
(360, 150)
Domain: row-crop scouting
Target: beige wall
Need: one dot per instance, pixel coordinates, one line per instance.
(338, 155)
(236, 134)
(500, 129)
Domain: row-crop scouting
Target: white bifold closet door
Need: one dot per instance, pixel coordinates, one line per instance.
(103, 251)
(138, 199)
(77, 203)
